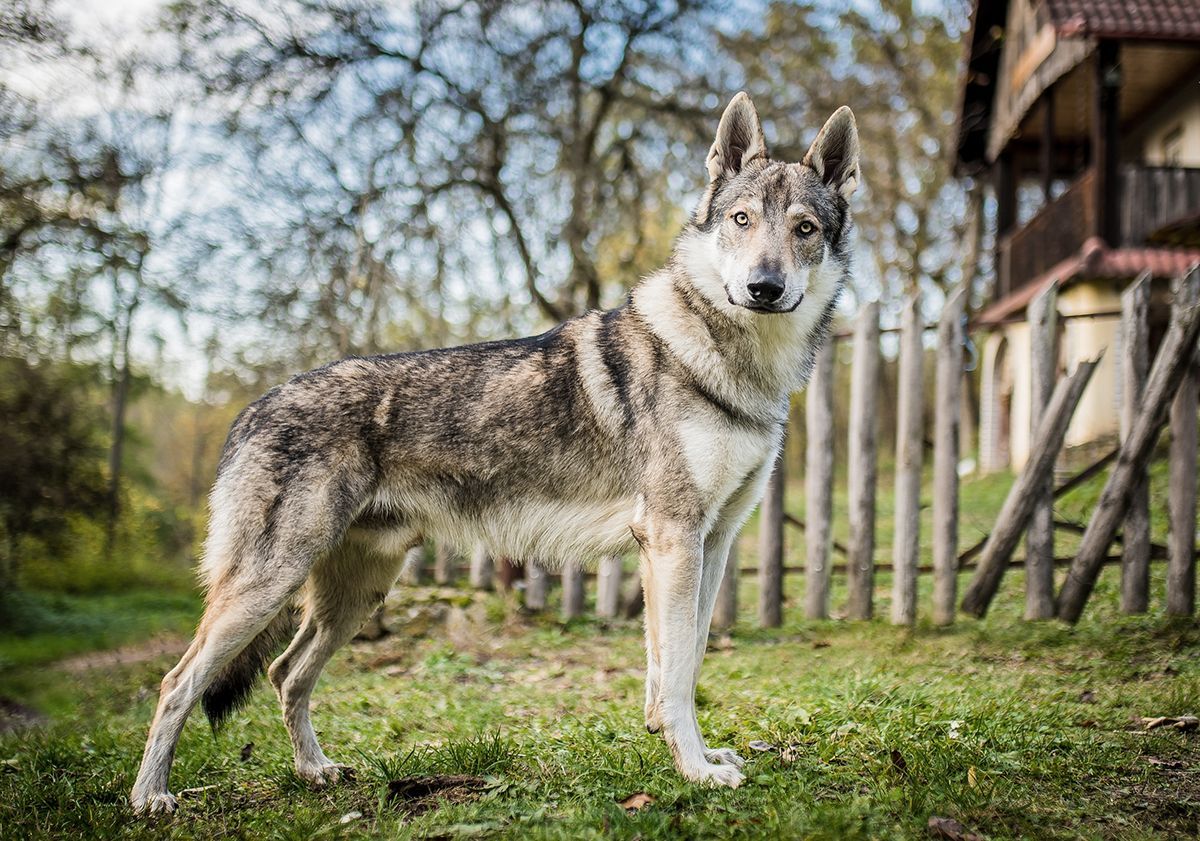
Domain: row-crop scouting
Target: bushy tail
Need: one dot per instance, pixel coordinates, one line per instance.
(232, 686)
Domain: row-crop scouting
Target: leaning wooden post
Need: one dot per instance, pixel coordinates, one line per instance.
(770, 550)
(945, 457)
(725, 611)
(862, 462)
(1135, 367)
(1039, 540)
(572, 592)
(481, 568)
(537, 586)
(608, 586)
(818, 483)
(1018, 505)
(1181, 500)
(909, 454)
(1170, 365)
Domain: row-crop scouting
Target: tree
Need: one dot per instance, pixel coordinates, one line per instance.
(465, 162)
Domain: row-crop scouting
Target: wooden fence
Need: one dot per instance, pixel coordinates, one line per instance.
(1154, 396)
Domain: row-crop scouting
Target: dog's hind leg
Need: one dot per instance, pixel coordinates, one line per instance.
(238, 610)
(343, 589)
(263, 542)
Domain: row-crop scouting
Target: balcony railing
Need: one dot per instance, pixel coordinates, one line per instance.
(1152, 198)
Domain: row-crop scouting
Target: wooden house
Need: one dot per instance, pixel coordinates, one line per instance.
(1083, 118)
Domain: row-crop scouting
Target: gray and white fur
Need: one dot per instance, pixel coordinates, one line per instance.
(652, 426)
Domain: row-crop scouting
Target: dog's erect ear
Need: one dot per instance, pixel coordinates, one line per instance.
(834, 154)
(739, 139)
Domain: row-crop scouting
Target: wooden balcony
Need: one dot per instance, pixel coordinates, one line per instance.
(1158, 206)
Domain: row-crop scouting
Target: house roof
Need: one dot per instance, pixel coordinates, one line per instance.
(1094, 261)
(1156, 19)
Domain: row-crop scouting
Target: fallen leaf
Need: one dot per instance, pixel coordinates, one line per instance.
(790, 754)
(349, 817)
(1183, 723)
(821, 644)
(247, 751)
(899, 763)
(1087, 696)
(635, 802)
(761, 746)
(971, 776)
(950, 830)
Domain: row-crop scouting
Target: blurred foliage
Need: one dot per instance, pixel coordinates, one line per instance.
(197, 206)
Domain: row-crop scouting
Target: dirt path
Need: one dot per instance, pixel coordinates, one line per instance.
(125, 656)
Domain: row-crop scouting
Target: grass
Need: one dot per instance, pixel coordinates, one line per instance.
(1015, 729)
(520, 727)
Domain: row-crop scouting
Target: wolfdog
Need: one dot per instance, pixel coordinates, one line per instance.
(652, 426)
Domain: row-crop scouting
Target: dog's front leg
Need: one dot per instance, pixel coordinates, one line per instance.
(674, 557)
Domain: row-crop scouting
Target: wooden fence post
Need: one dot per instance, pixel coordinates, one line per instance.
(444, 562)
(862, 462)
(608, 586)
(413, 568)
(537, 586)
(725, 611)
(1176, 352)
(572, 592)
(909, 454)
(770, 549)
(1181, 502)
(1135, 367)
(945, 457)
(1018, 505)
(1039, 539)
(481, 568)
(818, 483)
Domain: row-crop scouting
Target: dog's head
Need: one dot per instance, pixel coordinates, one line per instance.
(768, 234)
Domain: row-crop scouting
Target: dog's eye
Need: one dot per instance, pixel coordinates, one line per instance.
(806, 228)
(741, 219)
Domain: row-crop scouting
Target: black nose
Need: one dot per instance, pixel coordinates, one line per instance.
(766, 287)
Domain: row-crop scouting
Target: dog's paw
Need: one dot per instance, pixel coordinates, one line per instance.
(716, 776)
(325, 773)
(724, 756)
(158, 803)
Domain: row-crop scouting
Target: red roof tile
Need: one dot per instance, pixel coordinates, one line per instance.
(1094, 262)
(1125, 18)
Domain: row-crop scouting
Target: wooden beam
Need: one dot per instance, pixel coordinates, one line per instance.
(863, 461)
(537, 587)
(1039, 541)
(910, 450)
(1106, 138)
(770, 549)
(1018, 505)
(1181, 499)
(818, 483)
(1135, 367)
(481, 568)
(1046, 156)
(945, 456)
(1169, 367)
(725, 611)
(572, 592)
(608, 586)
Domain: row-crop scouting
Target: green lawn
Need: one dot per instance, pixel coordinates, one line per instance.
(1017, 730)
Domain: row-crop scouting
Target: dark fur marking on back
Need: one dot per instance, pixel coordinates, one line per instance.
(616, 362)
